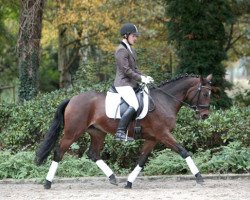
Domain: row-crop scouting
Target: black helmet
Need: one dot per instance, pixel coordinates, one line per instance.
(129, 28)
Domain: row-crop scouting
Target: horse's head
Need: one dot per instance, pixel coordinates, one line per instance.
(199, 97)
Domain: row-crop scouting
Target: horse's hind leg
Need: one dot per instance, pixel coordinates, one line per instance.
(97, 143)
(145, 152)
(65, 143)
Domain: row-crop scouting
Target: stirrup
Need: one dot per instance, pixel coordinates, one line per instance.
(121, 136)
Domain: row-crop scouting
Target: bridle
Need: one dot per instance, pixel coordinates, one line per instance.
(198, 106)
(195, 106)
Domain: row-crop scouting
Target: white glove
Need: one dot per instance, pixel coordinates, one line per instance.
(147, 79)
(151, 80)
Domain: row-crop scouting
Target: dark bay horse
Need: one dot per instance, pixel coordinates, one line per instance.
(86, 113)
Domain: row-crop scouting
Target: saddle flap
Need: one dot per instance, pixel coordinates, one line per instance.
(124, 106)
(115, 106)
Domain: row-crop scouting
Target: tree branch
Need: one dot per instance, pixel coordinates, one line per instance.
(230, 41)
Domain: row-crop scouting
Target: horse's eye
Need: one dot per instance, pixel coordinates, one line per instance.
(206, 95)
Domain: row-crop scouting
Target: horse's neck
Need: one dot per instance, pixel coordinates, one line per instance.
(176, 91)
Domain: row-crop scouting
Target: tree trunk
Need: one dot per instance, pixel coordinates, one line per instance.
(29, 47)
(68, 57)
(65, 76)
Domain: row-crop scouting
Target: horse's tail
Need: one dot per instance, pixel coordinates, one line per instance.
(52, 135)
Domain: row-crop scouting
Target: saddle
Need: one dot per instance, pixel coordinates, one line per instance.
(115, 105)
(123, 104)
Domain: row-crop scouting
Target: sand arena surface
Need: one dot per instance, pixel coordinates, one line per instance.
(155, 188)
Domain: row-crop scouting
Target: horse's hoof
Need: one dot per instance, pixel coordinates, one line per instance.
(128, 186)
(113, 180)
(47, 184)
(199, 179)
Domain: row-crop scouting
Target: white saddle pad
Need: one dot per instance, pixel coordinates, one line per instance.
(112, 105)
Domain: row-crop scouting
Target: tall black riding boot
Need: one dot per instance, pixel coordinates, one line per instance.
(123, 125)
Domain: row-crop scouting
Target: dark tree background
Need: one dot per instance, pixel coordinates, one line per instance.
(29, 46)
(202, 33)
(197, 28)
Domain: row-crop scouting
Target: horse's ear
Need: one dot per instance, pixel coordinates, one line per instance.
(206, 80)
(209, 77)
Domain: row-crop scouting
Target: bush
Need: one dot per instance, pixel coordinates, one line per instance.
(21, 166)
(27, 122)
(77, 167)
(242, 98)
(220, 128)
(121, 156)
(234, 158)
(165, 162)
(5, 113)
(23, 125)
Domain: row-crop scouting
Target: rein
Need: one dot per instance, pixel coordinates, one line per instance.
(194, 107)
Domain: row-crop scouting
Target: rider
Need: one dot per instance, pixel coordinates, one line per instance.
(127, 77)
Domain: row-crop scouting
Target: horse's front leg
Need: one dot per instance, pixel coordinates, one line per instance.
(185, 155)
(148, 146)
(171, 143)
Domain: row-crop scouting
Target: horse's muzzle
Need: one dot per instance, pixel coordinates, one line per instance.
(202, 115)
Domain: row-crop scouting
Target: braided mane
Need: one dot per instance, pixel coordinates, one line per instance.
(178, 77)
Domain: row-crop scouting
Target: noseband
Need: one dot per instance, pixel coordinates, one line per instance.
(198, 106)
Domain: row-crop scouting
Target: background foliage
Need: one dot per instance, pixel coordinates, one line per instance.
(91, 33)
(79, 38)
(220, 144)
(197, 29)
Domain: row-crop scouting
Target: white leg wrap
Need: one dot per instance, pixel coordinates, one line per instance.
(104, 167)
(191, 165)
(52, 171)
(133, 175)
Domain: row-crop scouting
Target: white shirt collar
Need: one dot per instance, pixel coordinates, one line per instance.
(127, 44)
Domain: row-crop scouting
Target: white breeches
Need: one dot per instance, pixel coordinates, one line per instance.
(128, 95)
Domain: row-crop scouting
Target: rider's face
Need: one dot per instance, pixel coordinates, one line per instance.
(132, 39)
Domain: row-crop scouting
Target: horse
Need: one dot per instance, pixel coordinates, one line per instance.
(85, 113)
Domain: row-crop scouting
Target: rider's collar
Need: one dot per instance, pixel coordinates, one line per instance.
(127, 44)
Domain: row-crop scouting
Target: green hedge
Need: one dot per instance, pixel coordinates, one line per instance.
(21, 166)
(23, 126)
(222, 127)
(232, 158)
(25, 123)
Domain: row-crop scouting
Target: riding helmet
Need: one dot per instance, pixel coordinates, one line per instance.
(129, 28)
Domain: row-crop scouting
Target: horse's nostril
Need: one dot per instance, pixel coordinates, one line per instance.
(204, 116)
